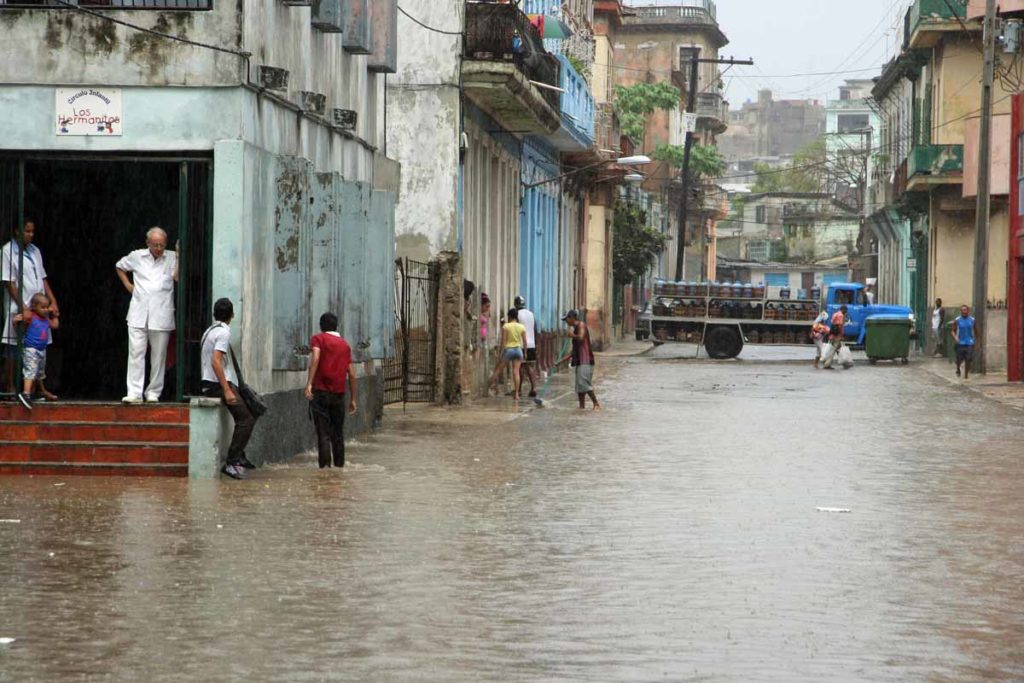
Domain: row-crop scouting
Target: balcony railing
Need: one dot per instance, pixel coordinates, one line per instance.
(686, 9)
(709, 105)
(935, 160)
(109, 4)
(502, 33)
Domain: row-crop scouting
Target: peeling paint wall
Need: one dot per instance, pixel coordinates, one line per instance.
(423, 128)
(67, 46)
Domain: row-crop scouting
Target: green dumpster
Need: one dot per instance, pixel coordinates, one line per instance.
(887, 338)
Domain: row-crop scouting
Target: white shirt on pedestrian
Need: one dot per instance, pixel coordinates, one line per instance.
(11, 266)
(525, 318)
(152, 306)
(217, 338)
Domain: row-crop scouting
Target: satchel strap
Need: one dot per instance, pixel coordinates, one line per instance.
(231, 349)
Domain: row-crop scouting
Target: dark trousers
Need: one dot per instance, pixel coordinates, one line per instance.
(244, 420)
(329, 419)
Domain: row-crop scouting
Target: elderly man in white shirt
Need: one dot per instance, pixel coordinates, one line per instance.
(151, 313)
(21, 266)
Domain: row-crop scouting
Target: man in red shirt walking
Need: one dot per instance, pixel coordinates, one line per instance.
(325, 388)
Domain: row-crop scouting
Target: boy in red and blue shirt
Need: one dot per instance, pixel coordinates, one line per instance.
(38, 321)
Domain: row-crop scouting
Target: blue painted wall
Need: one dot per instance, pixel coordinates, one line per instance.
(538, 233)
(577, 104)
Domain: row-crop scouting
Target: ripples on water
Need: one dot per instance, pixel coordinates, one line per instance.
(673, 537)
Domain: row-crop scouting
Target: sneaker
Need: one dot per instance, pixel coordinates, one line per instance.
(152, 399)
(131, 399)
(25, 400)
(233, 471)
(532, 394)
(244, 462)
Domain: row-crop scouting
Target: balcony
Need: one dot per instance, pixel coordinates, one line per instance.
(930, 165)
(508, 73)
(927, 20)
(577, 109)
(710, 111)
(685, 15)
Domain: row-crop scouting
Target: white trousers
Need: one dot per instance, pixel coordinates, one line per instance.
(138, 339)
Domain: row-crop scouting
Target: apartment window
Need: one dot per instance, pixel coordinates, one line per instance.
(849, 123)
(761, 214)
(685, 55)
(113, 4)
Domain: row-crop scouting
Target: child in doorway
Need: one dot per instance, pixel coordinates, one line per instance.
(38, 322)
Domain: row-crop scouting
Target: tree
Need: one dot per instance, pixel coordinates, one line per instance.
(636, 245)
(705, 160)
(634, 103)
(815, 169)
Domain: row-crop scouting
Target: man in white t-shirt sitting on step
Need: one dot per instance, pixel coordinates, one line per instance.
(527, 320)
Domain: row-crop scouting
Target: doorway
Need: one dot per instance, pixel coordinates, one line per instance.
(89, 212)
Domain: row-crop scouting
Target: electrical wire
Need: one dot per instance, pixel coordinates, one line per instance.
(426, 26)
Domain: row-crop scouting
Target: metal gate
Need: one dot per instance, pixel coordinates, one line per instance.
(409, 376)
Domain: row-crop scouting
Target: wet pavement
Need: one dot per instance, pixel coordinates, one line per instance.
(674, 536)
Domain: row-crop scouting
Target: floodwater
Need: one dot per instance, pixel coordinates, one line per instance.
(674, 536)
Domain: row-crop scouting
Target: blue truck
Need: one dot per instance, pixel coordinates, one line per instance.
(724, 318)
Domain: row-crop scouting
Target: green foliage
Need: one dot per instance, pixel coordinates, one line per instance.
(807, 172)
(635, 244)
(634, 103)
(577, 64)
(705, 160)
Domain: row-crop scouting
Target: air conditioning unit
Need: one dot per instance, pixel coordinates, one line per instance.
(313, 102)
(273, 78)
(345, 119)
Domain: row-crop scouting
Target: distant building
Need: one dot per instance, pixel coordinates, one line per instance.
(770, 129)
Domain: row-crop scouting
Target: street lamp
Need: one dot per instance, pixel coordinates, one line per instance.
(635, 160)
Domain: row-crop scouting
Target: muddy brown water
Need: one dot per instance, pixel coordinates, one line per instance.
(675, 536)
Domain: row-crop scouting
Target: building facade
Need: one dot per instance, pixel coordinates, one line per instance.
(769, 130)
(219, 122)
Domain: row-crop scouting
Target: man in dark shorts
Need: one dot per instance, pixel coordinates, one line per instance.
(330, 366)
(582, 357)
(964, 336)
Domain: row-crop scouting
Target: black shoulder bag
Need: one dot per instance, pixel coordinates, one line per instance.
(256, 404)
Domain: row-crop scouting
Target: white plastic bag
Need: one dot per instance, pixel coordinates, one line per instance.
(846, 356)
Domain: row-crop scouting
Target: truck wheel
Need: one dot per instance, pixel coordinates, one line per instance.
(723, 342)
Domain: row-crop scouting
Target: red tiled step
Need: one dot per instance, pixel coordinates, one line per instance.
(95, 412)
(140, 432)
(89, 452)
(100, 470)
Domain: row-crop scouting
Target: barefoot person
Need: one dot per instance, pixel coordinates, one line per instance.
(582, 357)
(154, 271)
(513, 350)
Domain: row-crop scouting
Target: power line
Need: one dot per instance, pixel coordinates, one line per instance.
(429, 28)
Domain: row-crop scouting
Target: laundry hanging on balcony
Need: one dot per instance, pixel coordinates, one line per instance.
(550, 27)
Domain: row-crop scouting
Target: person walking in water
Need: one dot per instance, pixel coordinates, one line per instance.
(526, 319)
(938, 322)
(819, 334)
(329, 369)
(513, 347)
(964, 336)
(582, 357)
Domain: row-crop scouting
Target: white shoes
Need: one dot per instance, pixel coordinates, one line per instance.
(152, 399)
(131, 399)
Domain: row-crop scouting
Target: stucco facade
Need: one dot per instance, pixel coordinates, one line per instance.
(290, 189)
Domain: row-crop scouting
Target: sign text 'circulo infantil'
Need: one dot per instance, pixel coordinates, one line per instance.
(89, 111)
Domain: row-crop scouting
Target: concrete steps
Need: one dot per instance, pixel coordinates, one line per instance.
(94, 439)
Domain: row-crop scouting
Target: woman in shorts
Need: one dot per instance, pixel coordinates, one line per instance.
(513, 350)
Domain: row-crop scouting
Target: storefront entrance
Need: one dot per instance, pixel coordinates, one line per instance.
(89, 211)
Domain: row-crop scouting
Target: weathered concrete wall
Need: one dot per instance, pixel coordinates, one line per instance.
(423, 129)
(951, 270)
(66, 47)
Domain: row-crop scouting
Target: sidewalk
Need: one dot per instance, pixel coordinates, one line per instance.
(992, 386)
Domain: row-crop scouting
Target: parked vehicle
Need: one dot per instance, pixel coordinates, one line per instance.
(725, 317)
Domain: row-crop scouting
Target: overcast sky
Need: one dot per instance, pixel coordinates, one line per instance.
(803, 36)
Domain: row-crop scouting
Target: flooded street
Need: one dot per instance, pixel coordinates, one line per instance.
(674, 536)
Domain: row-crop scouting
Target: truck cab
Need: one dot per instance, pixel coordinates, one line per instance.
(858, 310)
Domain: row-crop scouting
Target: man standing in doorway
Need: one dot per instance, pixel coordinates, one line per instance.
(527, 320)
(21, 267)
(330, 366)
(582, 357)
(151, 313)
(964, 336)
(938, 323)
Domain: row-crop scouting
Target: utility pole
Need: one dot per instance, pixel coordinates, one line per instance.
(684, 174)
(984, 206)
